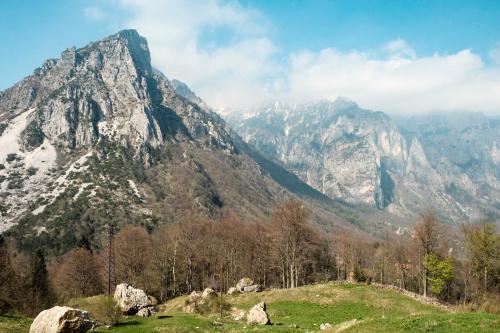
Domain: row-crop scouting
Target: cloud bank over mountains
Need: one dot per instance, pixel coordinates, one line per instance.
(227, 54)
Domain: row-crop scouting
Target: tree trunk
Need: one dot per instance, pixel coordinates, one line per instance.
(425, 282)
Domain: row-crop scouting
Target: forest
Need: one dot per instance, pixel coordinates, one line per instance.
(288, 250)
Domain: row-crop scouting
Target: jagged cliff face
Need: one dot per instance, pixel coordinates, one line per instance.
(364, 157)
(107, 88)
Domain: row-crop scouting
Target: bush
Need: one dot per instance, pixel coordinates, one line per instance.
(102, 309)
(359, 275)
(107, 311)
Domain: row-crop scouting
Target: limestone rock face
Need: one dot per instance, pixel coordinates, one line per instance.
(131, 299)
(446, 163)
(62, 319)
(258, 315)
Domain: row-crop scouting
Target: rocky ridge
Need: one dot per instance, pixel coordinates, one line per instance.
(365, 157)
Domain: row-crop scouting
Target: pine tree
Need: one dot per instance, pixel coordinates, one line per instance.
(42, 296)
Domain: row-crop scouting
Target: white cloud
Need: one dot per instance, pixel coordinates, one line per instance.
(230, 73)
(459, 81)
(246, 68)
(93, 13)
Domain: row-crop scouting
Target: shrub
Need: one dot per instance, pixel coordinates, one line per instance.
(11, 157)
(359, 275)
(102, 309)
(106, 311)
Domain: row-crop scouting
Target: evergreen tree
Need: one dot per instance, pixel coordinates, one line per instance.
(42, 296)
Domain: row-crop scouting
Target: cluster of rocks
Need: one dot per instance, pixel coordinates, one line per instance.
(133, 301)
(245, 285)
(198, 298)
(62, 319)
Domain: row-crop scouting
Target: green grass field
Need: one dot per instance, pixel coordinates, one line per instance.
(303, 310)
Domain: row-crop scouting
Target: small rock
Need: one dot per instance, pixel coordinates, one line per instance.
(62, 319)
(253, 288)
(325, 326)
(232, 291)
(237, 314)
(193, 297)
(208, 293)
(146, 312)
(189, 308)
(258, 315)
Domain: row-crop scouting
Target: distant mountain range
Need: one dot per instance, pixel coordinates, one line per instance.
(449, 163)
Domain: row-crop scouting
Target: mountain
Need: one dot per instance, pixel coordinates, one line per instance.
(404, 167)
(98, 137)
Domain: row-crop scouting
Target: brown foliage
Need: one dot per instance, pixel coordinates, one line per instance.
(76, 275)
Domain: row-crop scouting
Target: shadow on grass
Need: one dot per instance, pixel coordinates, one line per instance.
(128, 323)
(164, 317)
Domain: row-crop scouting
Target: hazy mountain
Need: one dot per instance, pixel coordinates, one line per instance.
(98, 136)
(446, 163)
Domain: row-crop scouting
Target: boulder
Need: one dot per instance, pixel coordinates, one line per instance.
(237, 314)
(232, 291)
(208, 293)
(131, 299)
(253, 288)
(146, 312)
(193, 297)
(62, 319)
(189, 308)
(258, 315)
(324, 327)
(245, 282)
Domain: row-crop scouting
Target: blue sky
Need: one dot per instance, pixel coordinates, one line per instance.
(238, 53)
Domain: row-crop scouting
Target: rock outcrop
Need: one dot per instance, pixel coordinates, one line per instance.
(258, 315)
(131, 300)
(198, 298)
(62, 319)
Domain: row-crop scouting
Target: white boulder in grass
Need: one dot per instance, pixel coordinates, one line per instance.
(62, 319)
(131, 300)
(258, 315)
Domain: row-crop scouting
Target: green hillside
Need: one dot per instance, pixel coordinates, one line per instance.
(347, 307)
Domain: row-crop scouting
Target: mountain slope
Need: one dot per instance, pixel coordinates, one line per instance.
(365, 157)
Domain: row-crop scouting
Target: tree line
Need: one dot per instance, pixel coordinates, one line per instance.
(286, 251)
